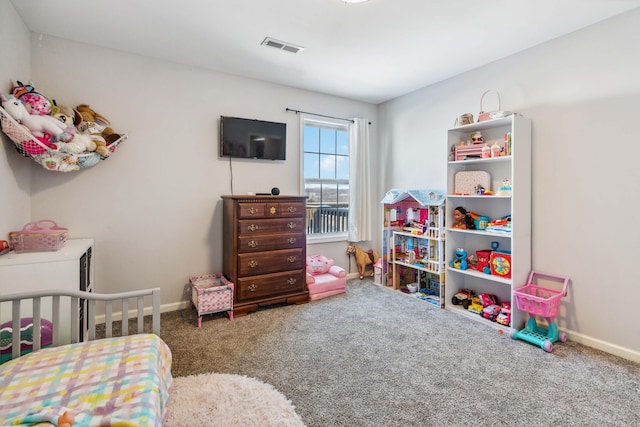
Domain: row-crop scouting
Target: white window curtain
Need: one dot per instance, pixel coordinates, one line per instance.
(359, 182)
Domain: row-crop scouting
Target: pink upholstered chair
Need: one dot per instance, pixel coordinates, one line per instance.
(323, 278)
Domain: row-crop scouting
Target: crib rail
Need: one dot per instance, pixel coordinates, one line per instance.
(78, 300)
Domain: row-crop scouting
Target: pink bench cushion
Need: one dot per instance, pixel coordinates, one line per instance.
(325, 294)
(325, 283)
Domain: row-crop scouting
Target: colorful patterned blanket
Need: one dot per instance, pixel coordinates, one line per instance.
(121, 381)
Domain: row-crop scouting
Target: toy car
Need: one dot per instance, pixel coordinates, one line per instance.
(491, 312)
(476, 305)
(488, 299)
(463, 297)
(504, 318)
(480, 302)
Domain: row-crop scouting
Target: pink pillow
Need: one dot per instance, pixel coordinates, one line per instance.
(319, 264)
(337, 271)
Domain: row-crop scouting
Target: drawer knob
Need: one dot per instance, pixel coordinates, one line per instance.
(253, 210)
(291, 281)
(292, 209)
(292, 240)
(252, 227)
(292, 259)
(252, 287)
(292, 225)
(252, 264)
(252, 244)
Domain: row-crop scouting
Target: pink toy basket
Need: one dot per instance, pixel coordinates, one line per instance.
(38, 236)
(538, 300)
(211, 293)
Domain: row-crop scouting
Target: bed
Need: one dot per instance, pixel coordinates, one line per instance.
(119, 380)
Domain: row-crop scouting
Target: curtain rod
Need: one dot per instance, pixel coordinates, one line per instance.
(320, 115)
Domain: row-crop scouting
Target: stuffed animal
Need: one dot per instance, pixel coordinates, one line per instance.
(55, 162)
(35, 102)
(98, 128)
(66, 419)
(34, 149)
(42, 124)
(71, 118)
(65, 114)
(363, 258)
(318, 264)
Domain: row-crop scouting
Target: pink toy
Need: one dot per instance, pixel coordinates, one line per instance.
(32, 148)
(35, 102)
(319, 264)
(332, 282)
(35, 123)
(211, 293)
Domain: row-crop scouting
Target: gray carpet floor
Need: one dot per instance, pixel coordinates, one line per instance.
(375, 357)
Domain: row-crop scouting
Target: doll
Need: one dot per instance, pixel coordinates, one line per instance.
(462, 219)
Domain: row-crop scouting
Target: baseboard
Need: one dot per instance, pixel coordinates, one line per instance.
(616, 350)
(147, 311)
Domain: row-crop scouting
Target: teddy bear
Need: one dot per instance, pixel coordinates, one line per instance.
(98, 128)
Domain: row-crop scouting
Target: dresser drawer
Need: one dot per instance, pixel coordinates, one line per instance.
(270, 285)
(252, 210)
(262, 226)
(252, 264)
(270, 209)
(292, 209)
(269, 242)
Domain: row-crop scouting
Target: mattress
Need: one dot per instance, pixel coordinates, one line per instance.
(120, 381)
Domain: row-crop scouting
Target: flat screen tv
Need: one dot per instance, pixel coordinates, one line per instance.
(252, 139)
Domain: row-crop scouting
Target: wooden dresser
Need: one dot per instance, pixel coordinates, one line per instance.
(264, 250)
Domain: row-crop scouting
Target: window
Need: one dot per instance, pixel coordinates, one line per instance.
(326, 176)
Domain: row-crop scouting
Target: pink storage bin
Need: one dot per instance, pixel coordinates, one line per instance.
(211, 293)
(38, 236)
(538, 300)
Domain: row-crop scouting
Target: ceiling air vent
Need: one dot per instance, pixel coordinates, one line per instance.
(281, 45)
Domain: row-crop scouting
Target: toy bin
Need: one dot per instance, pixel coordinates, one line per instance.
(38, 236)
(482, 222)
(211, 293)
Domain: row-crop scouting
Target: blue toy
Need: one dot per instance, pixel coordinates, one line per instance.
(460, 259)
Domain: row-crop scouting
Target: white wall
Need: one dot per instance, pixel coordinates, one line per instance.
(154, 206)
(582, 93)
(15, 179)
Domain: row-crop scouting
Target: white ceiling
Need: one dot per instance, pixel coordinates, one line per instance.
(371, 51)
